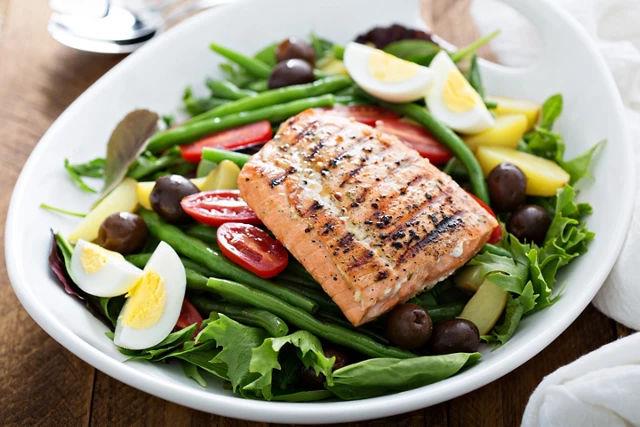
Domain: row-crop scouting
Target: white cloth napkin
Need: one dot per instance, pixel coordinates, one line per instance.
(603, 387)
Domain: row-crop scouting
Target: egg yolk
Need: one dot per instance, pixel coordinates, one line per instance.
(457, 93)
(390, 69)
(146, 302)
(93, 258)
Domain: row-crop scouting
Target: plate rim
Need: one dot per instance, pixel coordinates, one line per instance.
(343, 411)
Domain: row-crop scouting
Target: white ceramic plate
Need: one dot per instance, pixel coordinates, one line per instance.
(154, 78)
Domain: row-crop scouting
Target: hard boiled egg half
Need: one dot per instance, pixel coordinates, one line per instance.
(385, 76)
(453, 100)
(153, 302)
(101, 272)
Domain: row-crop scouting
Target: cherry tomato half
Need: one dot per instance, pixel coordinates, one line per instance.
(496, 233)
(367, 114)
(188, 316)
(417, 138)
(217, 207)
(230, 139)
(252, 248)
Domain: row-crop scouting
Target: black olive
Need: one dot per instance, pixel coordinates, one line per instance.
(383, 36)
(507, 185)
(455, 336)
(295, 48)
(313, 381)
(291, 72)
(530, 223)
(122, 232)
(409, 326)
(166, 196)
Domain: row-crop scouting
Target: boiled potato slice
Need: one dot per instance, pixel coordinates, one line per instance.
(123, 198)
(144, 188)
(334, 66)
(223, 177)
(469, 278)
(506, 132)
(485, 306)
(516, 106)
(544, 177)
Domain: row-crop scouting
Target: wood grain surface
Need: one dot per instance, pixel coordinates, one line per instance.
(41, 383)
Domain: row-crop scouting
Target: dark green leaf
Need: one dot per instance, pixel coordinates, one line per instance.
(267, 54)
(237, 342)
(76, 178)
(578, 167)
(202, 356)
(510, 273)
(376, 377)
(125, 144)
(419, 51)
(264, 360)
(112, 307)
(516, 308)
(164, 349)
(551, 110)
(191, 371)
(304, 396)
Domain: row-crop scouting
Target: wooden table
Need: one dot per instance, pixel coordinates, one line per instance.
(43, 383)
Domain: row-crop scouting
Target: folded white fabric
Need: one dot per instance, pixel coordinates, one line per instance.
(599, 389)
(613, 24)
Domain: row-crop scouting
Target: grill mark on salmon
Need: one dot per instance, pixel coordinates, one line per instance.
(357, 209)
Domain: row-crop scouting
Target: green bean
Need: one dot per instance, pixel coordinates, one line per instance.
(318, 296)
(259, 85)
(189, 132)
(452, 141)
(349, 100)
(304, 320)
(289, 277)
(195, 279)
(144, 166)
(217, 155)
(202, 232)
(277, 96)
(227, 90)
(251, 65)
(295, 268)
(195, 106)
(199, 252)
(275, 326)
(445, 312)
(340, 320)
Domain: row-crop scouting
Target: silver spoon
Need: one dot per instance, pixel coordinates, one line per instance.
(120, 30)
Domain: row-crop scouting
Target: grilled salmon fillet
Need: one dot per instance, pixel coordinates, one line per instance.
(372, 221)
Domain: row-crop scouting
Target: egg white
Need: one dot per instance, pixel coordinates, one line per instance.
(113, 279)
(474, 120)
(356, 60)
(167, 264)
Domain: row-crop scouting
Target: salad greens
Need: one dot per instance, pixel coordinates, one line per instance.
(543, 142)
(375, 377)
(529, 274)
(245, 340)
